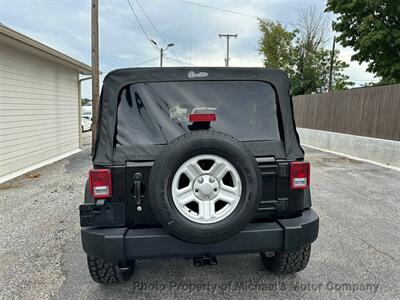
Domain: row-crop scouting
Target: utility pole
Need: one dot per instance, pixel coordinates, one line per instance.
(331, 65)
(162, 50)
(227, 36)
(190, 52)
(95, 69)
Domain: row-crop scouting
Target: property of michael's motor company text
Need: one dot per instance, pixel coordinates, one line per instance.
(243, 286)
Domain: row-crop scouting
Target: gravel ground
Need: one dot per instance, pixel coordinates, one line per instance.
(355, 256)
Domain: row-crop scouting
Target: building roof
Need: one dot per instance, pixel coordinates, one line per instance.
(19, 40)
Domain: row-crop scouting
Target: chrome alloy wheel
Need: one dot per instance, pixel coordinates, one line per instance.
(206, 189)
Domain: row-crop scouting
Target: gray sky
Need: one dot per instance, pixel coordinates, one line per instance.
(65, 26)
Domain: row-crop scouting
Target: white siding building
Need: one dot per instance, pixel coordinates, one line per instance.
(39, 104)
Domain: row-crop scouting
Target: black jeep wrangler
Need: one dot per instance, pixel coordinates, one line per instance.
(194, 163)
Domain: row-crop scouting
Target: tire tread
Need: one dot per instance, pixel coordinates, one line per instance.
(104, 272)
(287, 262)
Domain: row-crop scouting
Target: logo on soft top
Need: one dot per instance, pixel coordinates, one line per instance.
(193, 74)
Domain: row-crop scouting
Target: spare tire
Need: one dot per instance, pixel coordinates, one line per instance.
(205, 187)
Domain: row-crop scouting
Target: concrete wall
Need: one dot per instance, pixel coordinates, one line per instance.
(365, 111)
(379, 150)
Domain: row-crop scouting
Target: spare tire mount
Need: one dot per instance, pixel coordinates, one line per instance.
(205, 187)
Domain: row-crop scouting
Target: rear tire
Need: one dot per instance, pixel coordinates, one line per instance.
(103, 272)
(287, 262)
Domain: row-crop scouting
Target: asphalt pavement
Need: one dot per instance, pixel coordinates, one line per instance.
(355, 256)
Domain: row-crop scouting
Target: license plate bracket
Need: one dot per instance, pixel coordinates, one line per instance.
(104, 215)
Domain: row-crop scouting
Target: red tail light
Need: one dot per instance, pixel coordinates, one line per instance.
(100, 183)
(299, 175)
(202, 118)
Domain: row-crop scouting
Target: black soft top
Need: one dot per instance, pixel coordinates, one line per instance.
(105, 153)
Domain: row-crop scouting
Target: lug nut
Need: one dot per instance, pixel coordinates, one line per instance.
(211, 180)
(200, 180)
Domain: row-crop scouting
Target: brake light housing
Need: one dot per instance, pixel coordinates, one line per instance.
(100, 183)
(202, 118)
(299, 175)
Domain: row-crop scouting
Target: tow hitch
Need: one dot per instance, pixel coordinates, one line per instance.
(205, 260)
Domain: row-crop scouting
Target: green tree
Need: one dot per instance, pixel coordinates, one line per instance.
(301, 55)
(311, 71)
(372, 29)
(276, 45)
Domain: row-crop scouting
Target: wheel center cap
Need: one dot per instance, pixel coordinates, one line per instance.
(206, 187)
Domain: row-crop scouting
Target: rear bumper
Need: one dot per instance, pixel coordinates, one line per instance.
(119, 244)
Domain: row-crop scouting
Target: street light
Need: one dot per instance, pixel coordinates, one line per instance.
(162, 50)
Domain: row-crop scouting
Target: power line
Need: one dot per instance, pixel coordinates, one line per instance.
(149, 19)
(154, 26)
(222, 45)
(181, 61)
(146, 61)
(232, 11)
(220, 9)
(140, 25)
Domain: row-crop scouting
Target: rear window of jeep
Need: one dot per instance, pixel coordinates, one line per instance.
(158, 112)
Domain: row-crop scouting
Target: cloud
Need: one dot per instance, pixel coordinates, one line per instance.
(357, 72)
(65, 26)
